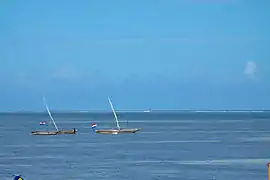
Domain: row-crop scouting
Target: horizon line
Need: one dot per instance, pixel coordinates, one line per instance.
(140, 110)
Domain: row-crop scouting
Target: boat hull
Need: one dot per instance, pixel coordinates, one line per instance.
(116, 131)
(53, 132)
(67, 132)
(44, 132)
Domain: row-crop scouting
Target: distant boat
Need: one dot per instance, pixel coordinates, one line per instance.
(57, 131)
(118, 130)
(147, 111)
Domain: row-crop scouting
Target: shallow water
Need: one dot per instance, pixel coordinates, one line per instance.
(172, 145)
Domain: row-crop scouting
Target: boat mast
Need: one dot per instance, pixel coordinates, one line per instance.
(50, 113)
(116, 119)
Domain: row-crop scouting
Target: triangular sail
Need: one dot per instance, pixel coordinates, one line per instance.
(49, 113)
(116, 119)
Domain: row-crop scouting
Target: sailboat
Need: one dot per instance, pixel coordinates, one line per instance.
(57, 131)
(118, 129)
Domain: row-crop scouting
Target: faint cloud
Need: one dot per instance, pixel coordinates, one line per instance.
(65, 72)
(250, 69)
(23, 78)
(26, 79)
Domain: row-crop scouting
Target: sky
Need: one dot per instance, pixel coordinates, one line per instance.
(158, 54)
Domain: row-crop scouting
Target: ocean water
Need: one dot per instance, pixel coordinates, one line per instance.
(171, 145)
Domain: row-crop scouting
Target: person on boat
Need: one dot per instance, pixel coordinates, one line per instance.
(74, 130)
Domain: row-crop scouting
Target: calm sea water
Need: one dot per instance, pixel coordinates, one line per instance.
(172, 145)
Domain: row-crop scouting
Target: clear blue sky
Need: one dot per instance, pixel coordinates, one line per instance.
(166, 54)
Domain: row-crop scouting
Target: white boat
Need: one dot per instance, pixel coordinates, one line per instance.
(118, 129)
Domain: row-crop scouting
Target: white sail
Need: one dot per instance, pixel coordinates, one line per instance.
(116, 119)
(49, 113)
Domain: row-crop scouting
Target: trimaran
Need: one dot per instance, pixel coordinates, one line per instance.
(119, 129)
(57, 131)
